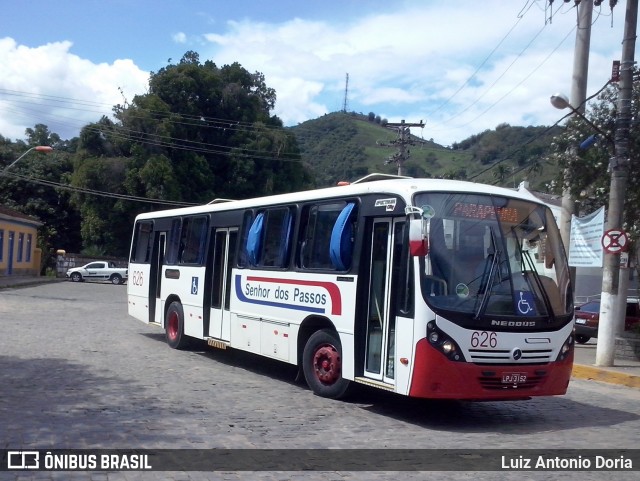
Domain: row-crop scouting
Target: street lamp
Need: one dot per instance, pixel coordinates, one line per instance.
(40, 148)
(561, 101)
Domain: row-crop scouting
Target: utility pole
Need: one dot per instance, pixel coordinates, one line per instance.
(619, 175)
(404, 139)
(581, 56)
(578, 97)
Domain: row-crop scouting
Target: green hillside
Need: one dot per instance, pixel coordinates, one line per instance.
(346, 146)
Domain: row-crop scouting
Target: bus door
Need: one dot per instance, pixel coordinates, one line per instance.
(223, 252)
(155, 278)
(380, 332)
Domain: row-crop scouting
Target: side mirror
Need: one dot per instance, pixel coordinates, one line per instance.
(418, 237)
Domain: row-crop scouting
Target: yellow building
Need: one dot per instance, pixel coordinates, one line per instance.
(19, 255)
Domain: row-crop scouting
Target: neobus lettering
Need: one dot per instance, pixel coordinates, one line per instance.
(513, 323)
(309, 297)
(259, 291)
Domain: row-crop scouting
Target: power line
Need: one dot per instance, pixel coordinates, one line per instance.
(99, 193)
(482, 64)
(126, 134)
(537, 67)
(544, 132)
(526, 8)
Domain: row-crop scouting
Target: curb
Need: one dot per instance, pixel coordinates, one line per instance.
(30, 283)
(605, 375)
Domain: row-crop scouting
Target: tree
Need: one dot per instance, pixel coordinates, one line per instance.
(40, 135)
(28, 188)
(201, 132)
(501, 173)
(209, 131)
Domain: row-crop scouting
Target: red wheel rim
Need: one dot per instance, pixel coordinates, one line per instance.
(327, 364)
(172, 326)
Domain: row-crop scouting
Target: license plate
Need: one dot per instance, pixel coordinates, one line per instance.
(514, 378)
(581, 321)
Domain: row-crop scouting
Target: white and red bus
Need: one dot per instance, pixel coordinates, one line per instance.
(423, 287)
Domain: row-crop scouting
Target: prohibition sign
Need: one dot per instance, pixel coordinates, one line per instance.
(614, 241)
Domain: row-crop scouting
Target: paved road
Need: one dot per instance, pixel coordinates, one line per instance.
(77, 372)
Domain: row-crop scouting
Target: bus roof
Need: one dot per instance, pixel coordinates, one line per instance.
(404, 187)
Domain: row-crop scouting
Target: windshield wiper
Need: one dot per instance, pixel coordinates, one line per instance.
(495, 262)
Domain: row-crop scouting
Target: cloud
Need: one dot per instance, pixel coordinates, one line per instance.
(462, 68)
(179, 37)
(50, 85)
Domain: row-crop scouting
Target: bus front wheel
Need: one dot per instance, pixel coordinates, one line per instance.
(322, 364)
(174, 326)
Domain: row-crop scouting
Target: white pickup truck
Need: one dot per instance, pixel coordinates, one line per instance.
(99, 271)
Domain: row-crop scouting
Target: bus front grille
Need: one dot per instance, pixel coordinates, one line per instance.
(493, 356)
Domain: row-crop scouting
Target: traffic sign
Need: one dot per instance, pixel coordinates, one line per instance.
(615, 241)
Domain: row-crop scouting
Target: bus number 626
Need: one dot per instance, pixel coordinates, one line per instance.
(484, 339)
(137, 278)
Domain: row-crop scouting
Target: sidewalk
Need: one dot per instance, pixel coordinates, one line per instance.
(624, 372)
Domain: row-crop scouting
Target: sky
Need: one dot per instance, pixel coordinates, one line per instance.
(460, 67)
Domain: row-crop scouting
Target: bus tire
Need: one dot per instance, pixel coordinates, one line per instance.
(174, 327)
(322, 364)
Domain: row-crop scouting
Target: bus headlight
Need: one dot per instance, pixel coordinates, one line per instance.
(448, 347)
(443, 343)
(566, 348)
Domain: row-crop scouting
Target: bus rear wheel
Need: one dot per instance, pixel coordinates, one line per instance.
(322, 365)
(174, 326)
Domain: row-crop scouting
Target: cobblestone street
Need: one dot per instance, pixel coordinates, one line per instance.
(78, 372)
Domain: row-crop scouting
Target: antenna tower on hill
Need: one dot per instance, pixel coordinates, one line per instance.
(346, 92)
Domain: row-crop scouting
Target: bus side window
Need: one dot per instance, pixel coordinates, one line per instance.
(277, 237)
(193, 240)
(269, 238)
(142, 242)
(243, 254)
(254, 240)
(341, 244)
(324, 223)
(173, 243)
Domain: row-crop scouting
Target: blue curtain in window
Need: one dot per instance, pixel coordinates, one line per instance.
(341, 245)
(254, 240)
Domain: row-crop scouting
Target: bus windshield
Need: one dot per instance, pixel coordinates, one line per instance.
(494, 258)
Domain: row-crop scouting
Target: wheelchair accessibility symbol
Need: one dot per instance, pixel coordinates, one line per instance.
(194, 285)
(525, 304)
